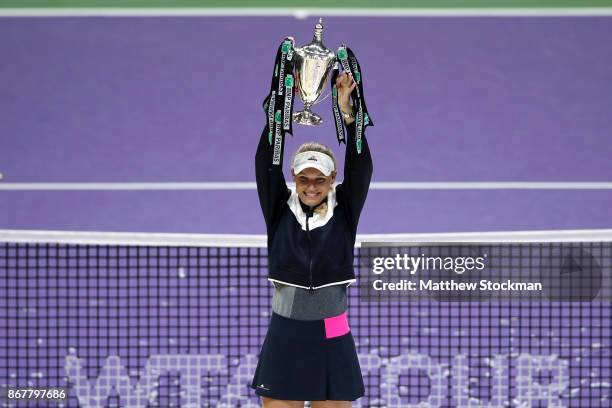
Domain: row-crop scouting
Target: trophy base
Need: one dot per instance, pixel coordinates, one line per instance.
(307, 118)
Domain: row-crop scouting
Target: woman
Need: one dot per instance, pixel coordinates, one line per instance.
(309, 352)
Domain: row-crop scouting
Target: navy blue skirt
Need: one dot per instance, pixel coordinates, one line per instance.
(308, 361)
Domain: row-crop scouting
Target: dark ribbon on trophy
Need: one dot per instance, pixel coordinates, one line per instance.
(349, 63)
(278, 105)
(338, 122)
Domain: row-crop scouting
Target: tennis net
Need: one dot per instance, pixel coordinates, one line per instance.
(163, 320)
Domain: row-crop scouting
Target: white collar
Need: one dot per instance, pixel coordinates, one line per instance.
(317, 220)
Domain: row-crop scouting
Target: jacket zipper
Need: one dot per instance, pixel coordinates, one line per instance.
(308, 215)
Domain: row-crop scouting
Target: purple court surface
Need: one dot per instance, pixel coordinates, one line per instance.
(164, 99)
(175, 100)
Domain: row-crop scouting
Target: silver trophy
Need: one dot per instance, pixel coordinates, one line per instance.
(312, 66)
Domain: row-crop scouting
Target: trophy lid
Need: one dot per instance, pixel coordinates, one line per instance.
(315, 49)
(318, 32)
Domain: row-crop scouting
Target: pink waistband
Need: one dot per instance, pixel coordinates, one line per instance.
(336, 326)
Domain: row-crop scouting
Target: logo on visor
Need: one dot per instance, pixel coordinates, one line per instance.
(313, 158)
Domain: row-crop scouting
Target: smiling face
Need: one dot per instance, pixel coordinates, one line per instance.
(313, 186)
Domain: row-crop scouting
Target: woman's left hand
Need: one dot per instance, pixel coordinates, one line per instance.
(345, 85)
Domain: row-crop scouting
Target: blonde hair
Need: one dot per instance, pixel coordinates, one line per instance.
(321, 148)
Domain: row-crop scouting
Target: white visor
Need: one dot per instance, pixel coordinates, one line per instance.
(317, 160)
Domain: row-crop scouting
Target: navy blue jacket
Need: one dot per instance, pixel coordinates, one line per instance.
(305, 249)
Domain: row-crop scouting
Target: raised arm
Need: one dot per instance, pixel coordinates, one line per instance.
(358, 167)
(271, 185)
(357, 175)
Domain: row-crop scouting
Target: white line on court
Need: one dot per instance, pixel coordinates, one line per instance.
(260, 241)
(247, 185)
(307, 12)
